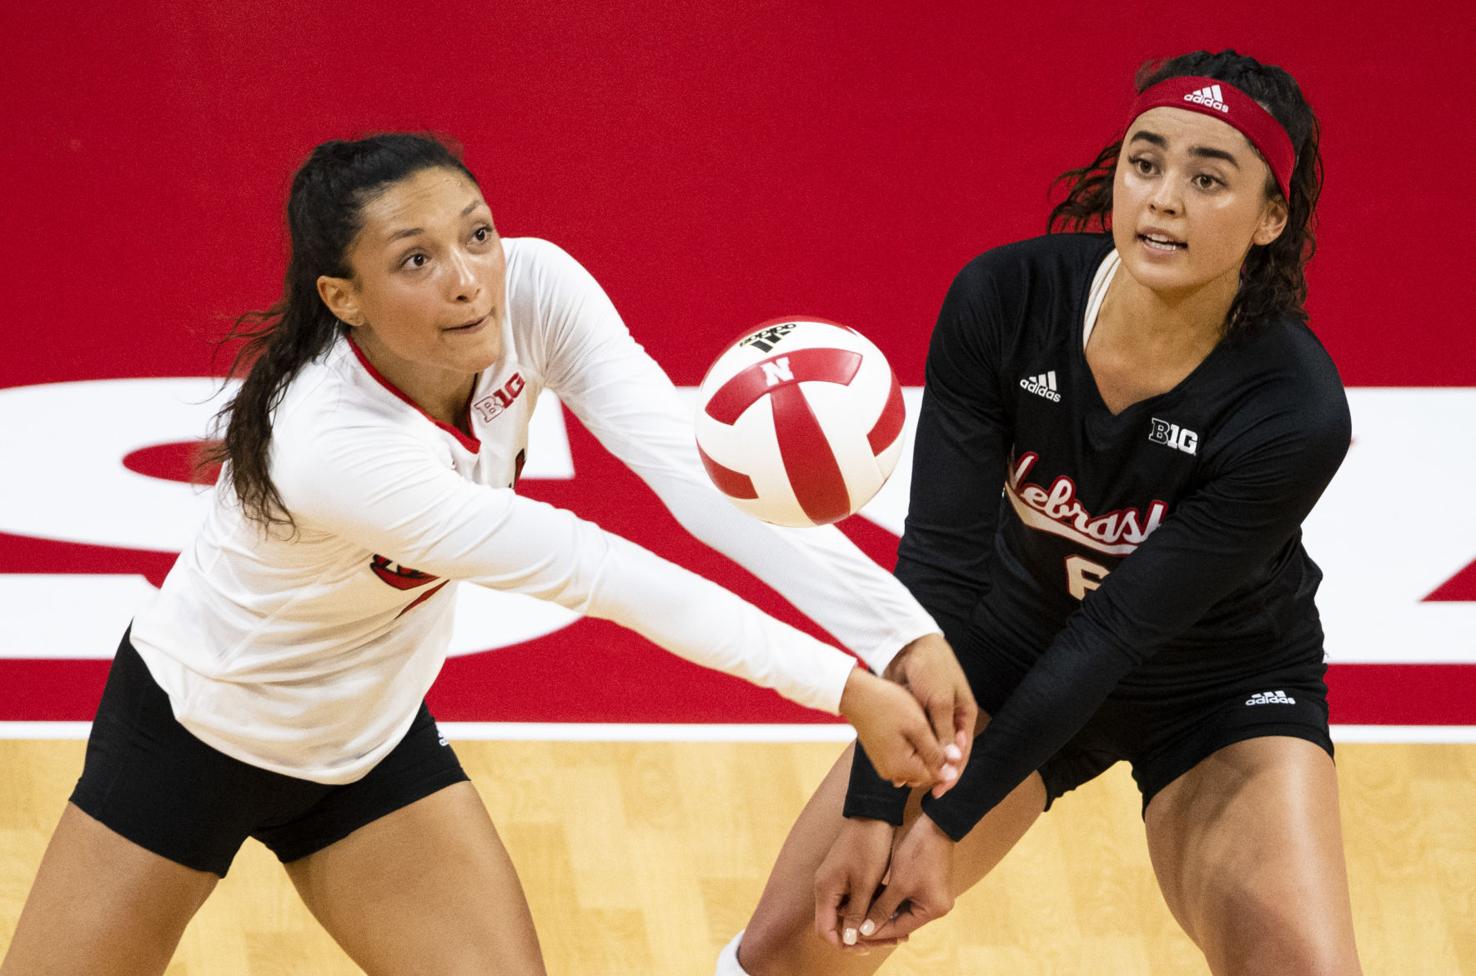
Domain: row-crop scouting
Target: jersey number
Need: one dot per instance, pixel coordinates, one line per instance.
(1083, 576)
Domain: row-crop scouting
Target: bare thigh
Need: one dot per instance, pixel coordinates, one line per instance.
(428, 888)
(102, 904)
(1248, 850)
(780, 938)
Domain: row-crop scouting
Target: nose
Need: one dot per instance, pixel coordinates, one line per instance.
(463, 279)
(1165, 197)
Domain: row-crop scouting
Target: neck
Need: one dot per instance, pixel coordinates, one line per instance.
(1190, 321)
(441, 393)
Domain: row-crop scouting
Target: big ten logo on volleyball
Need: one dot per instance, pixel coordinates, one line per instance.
(800, 421)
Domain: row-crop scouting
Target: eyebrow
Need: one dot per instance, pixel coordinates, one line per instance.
(412, 231)
(1205, 151)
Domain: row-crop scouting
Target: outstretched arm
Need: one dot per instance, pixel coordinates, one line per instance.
(963, 433)
(629, 403)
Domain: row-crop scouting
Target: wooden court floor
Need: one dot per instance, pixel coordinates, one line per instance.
(643, 859)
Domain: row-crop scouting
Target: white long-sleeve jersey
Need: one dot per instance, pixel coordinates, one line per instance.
(309, 653)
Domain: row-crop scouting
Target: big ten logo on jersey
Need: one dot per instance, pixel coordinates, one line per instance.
(1172, 435)
(489, 406)
(767, 338)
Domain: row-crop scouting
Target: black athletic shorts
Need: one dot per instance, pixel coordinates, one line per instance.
(1165, 738)
(147, 778)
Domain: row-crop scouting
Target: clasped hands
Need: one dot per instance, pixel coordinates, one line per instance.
(917, 721)
(878, 885)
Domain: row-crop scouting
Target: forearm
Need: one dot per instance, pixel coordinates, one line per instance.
(819, 571)
(870, 796)
(704, 623)
(1057, 696)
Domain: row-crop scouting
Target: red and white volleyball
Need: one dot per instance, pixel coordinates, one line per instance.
(800, 421)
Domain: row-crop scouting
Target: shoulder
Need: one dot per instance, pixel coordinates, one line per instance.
(550, 295)
(1026, 293)
(1305, 353)
(540, 266)
(1287, 390)
(1044, 277)
(1048, 258)
(332, 411)
(531, 251)
(1290, 368)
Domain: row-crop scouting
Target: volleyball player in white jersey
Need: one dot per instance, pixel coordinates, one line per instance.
(275, 686)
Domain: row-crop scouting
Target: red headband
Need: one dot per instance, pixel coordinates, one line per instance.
(1223, 101)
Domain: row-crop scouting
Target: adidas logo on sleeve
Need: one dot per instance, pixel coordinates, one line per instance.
(1270, 698)
(1208, 97)
(1042, 385)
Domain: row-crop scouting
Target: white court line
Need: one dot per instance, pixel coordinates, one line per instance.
(671, 732)
(44, 730)
(652, 732)
(1405, 733)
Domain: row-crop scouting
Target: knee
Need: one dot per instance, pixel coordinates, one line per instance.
(781, 940)
(773, 944)
(1305, 960)
(1256, 935)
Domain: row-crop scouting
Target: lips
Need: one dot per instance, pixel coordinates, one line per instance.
(1157, 240)
(471, 326)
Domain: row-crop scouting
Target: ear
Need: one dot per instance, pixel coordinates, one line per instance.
(338, 294)
(1273, 222)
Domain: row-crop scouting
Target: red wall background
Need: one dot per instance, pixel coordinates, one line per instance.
(714, 165)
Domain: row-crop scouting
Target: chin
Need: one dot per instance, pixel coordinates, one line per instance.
(1158, 278)
(476, 364)
(487, 358)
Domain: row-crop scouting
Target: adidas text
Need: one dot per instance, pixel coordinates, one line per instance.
(766, 339)
(1270, 698)
(1042, 385)
(1208, 97)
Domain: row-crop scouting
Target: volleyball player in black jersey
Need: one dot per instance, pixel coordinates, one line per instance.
(1161, 420)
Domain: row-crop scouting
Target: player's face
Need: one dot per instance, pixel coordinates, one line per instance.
(428, 276)
(1188, 201)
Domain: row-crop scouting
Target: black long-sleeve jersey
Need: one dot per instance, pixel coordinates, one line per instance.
(1142, 555)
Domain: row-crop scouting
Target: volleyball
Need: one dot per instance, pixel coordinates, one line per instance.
(800, 421)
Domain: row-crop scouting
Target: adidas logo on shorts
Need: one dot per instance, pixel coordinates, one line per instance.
(1042, 385)
(1270, 698)
(1208, 97)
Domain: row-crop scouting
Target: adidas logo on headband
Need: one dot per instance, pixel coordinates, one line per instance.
(1210, 97)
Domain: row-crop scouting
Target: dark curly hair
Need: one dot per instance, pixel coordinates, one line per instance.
(324, 215)
(1273, 282)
